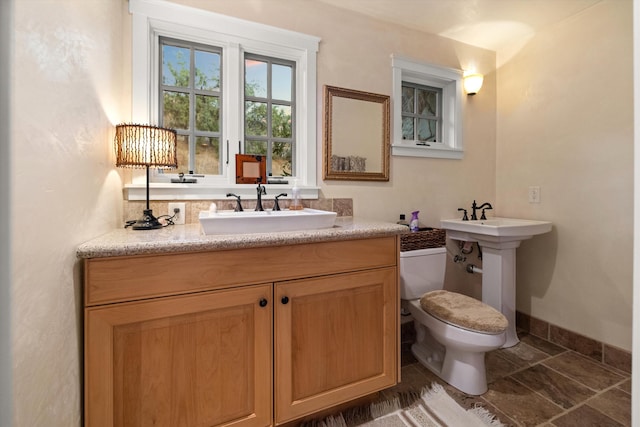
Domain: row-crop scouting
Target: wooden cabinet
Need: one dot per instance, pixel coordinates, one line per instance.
(240, 337)
(335, 339)
(195, 360)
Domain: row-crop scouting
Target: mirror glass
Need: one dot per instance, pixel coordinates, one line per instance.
(356, 135)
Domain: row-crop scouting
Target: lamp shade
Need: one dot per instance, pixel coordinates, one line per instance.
(145, 145)
(473, 83)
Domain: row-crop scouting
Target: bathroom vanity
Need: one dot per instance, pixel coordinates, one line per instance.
(183, 329)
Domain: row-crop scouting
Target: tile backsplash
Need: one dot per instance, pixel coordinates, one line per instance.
(133, 209)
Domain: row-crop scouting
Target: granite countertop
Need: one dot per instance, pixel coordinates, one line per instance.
(189, 238)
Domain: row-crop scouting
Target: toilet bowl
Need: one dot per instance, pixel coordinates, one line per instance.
(453, 331)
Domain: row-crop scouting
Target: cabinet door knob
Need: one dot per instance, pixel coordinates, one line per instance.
(263, 302)
(285, 300)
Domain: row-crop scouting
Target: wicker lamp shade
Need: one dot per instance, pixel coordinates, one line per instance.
(144, 146)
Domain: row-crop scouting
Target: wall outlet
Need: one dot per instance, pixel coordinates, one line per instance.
(179, 217)
(534, 194)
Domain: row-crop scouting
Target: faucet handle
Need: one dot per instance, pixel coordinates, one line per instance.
(483, 215)
(464, 217)
(276, 206)
(238, 207)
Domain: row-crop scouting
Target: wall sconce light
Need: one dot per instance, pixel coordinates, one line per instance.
(473, 83)
(142, 146)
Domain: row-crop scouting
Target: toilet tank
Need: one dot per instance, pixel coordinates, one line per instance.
(422, 271)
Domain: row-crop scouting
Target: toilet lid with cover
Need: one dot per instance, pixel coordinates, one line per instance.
(464, 312)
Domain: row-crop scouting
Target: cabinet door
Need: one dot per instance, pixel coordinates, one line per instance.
(335, 340)
(198, 360)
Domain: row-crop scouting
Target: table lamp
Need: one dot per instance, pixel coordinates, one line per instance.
(142, 146)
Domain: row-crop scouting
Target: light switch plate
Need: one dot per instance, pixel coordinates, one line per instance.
(534, 194)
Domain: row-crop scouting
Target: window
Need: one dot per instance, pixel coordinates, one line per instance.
(191, 92)
(269, 112)
(428, 121)
(421, 113)
(228, 87)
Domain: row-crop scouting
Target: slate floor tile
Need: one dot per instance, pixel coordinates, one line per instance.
(585, 416)
(498, 367)
(522, 404)
(592, 374)
(523, 355)
(614, 403)
(538, 383)
(541, 344)
(558, 388)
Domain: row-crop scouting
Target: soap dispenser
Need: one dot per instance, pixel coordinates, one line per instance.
(296, 202)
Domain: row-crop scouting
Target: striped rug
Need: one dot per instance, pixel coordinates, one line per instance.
(432, 408)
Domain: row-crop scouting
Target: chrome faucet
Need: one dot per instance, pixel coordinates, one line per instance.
(261, 190)
(483, 206)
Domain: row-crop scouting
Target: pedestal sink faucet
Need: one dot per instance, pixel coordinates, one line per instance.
(483, 206)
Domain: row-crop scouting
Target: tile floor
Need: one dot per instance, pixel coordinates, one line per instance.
(538, 383)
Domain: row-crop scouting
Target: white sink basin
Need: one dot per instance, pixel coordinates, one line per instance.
(230, 222)
(497, 227)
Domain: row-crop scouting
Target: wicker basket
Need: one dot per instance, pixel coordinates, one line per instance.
(429, 238)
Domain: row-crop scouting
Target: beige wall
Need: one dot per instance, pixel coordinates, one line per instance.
(355, 53)
(67, 91)
(565, 123)
(71, 84)
(6, 410)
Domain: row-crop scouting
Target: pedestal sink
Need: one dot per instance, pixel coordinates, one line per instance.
(498, 238)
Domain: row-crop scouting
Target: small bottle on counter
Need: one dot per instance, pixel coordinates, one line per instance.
(296, 201)
(403, 220)
(413, 225)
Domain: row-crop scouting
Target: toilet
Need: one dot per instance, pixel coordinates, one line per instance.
(453, 331)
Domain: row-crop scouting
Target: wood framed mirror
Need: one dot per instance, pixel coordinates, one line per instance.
(356, 135)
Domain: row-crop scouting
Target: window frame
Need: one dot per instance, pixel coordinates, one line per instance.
(270, 100)
(192, 133)
(415, 115)
(450, 81)
(152, 19)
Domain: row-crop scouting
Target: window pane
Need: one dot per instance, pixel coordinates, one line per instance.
(282, 157)
(183, 154)
(255, 78)
(427, 130)
(281, 82)
(175, 66)
(407, 128)
(207, 155)
(207, 70)
(256, 147)
(269, 111)
(407, 99)
(207, 113)
(175, 110)
(255, 114)
(427, 102)
(281, 121)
